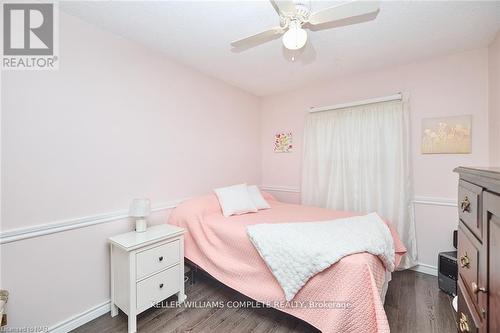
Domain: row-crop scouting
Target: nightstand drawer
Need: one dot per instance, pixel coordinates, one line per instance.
(158, 287)
(157, 258)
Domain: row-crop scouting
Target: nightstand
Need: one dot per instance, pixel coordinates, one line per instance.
(146, 268)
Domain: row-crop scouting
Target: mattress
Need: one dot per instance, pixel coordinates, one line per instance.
(346, 297)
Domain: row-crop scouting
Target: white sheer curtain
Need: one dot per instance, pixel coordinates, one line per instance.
(357, 159)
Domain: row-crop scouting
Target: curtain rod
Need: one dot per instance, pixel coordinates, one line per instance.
(396, 97)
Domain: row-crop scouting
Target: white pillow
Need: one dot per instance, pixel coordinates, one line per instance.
(257, 197)
(235, 200)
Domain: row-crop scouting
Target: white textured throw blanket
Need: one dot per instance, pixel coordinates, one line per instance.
(295, 252)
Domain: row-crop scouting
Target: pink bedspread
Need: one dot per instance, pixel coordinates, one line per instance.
(221, 247)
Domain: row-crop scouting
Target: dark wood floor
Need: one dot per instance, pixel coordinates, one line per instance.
(413, 304)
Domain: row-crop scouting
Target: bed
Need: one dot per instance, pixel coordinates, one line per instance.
(346, 297)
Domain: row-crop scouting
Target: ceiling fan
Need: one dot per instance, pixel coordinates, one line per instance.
(295, 17)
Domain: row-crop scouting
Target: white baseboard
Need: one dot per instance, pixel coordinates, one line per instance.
(82, 318)
(426, 269)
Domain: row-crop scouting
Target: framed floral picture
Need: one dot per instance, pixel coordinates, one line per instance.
(283, 142)
(450, 135)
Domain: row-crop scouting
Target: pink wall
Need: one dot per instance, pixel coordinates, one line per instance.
(116, 121)
(494, 100)
(119, 121)
(122, 119)
(447, 86)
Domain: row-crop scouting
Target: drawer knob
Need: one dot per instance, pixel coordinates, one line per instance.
(160, 259)
(465, 205)
(476, 289)
(463, 323)
(161, 285)
(464, 261)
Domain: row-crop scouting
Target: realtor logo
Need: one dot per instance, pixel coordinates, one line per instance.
(28, 29)
(29, 36)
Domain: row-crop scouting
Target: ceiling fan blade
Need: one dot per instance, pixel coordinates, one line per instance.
(257, 39)
(344, 12)
(284, 7)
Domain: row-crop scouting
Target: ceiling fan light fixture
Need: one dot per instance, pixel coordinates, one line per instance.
(296, 37)
(293, 15)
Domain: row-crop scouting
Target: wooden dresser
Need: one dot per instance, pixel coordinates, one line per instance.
(479, 250)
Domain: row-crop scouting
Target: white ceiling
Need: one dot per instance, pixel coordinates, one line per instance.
(198, 33)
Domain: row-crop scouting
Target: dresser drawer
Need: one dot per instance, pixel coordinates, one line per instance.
(158, 287)
(467, 318)
(469, 207)
(468, 262)
(157, 258)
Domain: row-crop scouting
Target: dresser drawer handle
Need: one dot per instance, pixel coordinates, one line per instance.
(463, 323)
(464, 261)
(160, 259)
(465, 205)
(161, 285)
(476, 289)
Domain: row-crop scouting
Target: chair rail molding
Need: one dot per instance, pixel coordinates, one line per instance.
(277, 188)
(417, 200)
(14, 235)
(434, 201)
